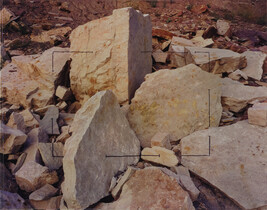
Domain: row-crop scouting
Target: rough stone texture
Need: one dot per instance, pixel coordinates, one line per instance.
(29, 120)
(179, 107)
(49, 122)
(126, 176)
(19, 162)
(223, 28)
(177, 56)
(5, 16)
(182, 41)
(215, 60)
(11, 139)
(44, 193)
(7, 182)
(198, 41)
(121, 55)
(237, 162)
(51, 203)
(161, 140)
(236, 96)
(255, 61)
(159, 191)
(39, 176)
(47, 154)
(65, 134)
(99, 129)
(63, 93)
(257, 115)
(16, 121)
(10, 200)
(161, 156)
(237, 75)
(160, 56)
(161, 33)
(51, 35)
(29, 80)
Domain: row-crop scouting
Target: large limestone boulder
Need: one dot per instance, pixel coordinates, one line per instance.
(215, 60)
(237, 161)
(99, 129)
(175, 102)
(159, 191)
(236, 96)
(30, 80)
(119, 59)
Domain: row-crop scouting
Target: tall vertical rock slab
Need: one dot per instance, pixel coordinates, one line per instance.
(99, 129)
(175, 102)
(113, 52)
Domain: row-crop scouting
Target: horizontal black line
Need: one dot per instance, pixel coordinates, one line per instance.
(73, 51)
(130, 155)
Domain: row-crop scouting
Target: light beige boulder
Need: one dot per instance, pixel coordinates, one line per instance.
(158, 191)
(257, 115)
(118, 60)
(237, 161)
(5, 16)
(199, 41)
(159, 155)
(160, 56)
(63, 93)
(223, 28)
(237, 75)
(236, 96)
(175, 102)
(177, 56)
(182, 41)
(39, 176)
(11, 139)
(255, 61)
(161, 140)
(99, 130)
(215, 60)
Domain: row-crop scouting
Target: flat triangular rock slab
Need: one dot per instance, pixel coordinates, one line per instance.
(237, 161)
(99, 129)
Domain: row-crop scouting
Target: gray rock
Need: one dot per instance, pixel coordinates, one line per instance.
(99, 129)
(7, 182)
(49, 122)
(16, 121)
(19, 162)
(12, 201)
(237, 161)
(44, 193)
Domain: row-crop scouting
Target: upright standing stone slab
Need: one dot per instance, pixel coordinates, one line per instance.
(99, 129)
(120, 55)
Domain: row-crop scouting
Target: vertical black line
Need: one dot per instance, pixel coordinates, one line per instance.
(53, 61)
(209, 106)
(209, 145)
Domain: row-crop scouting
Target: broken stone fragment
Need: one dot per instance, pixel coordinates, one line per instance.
(165, 45)
(236, 96)
(44, 193)
(237, 158)
(198, 41)
(160, 155)
(65, 134)
(161, 33)
(99, 129)
(62, 105)
(19, 162)
(223, 28)
(39, 176)
(29, 120)
(162, 191)
(5, 16)
(182, 42)
(10, 200)
(11, 139)
(179, 107)
(49, 122)
(257, 115)
(237, 75)
(160, 56)
(63, 93)
(118, 60)
(7, 182)
(51, 203)
(177, 56)
(52, 154)
(161, 140)
(16, 121)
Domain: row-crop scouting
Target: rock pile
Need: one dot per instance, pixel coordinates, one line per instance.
(91, 126)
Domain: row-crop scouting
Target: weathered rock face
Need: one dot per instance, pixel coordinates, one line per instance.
(99, 129)
(223, 28)
(161, 140)
(5, 16)
(12, 201)
(159, 191)
(255, 61)
(215, 60)
(30, 80)
(119, 59)
(49, 122)
(7, 182)
(236, 96)
(45, 192)
(51, 35)
(179, 107)
(39, 176)
(257, 115)
(11, 139)
(236, 164)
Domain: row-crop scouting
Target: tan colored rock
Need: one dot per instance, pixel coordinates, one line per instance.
(121, 55)
(161, 33)
(160, 56)
(215, 60)
(52, 154)
(39, 176)
(11, 139)
(177, 56)
(237, 161)
(165, 45)
(4, 114)
(29, 120)
(99, 129)
(63, 93)
(159, 155)
(236, 96)
(182, 41)
(237, 75)
(61, 105)
(126, 176)
(44, 193)
(161, 140)
(199, 41)
(255, 61)
(74, 107)
(67, 118)
(178, 107)
(51, 35)
(51, 203)
(159, 191)
(223, 28)
(257, 115)
(19, 162)
(5, 16)
(16, 121)
(65, 134)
